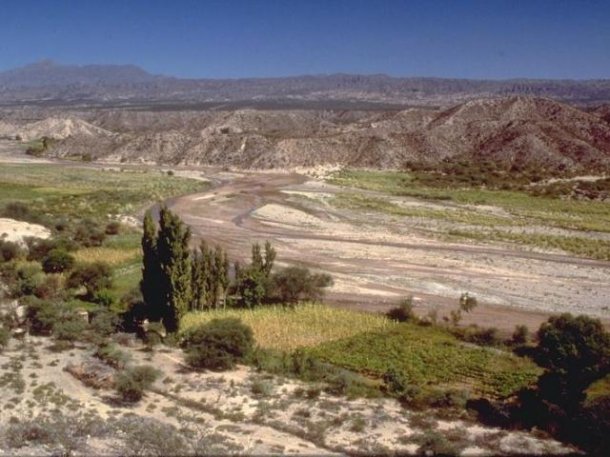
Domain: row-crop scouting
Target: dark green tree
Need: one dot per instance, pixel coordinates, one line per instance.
(174, 259)
(270, 255)
(575, 350)
(150, 285)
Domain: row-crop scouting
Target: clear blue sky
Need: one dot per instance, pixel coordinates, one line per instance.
(231, 38)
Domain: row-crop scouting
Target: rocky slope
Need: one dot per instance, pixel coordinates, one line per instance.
(510, 131)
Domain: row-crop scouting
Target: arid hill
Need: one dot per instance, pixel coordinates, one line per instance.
(512, 131)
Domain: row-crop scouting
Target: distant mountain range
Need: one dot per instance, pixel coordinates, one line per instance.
(49, 82)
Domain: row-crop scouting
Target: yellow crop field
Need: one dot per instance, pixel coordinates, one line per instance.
(277, 327)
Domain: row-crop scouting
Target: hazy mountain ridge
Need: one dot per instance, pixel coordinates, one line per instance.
(50, 81)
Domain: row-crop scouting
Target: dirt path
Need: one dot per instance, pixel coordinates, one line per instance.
(376, 260)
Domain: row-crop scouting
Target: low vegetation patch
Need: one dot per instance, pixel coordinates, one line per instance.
(284, 328)
(427, 357)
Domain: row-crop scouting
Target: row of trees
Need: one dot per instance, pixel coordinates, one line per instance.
(176, 280)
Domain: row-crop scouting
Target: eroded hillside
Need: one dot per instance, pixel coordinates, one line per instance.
(513, 132)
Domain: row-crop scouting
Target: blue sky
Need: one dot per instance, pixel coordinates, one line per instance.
(230, 38)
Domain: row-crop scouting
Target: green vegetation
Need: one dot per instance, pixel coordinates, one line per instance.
(581, 246)
(76, 193)
(428, 357)
(166, 276)
(219, 344)
(133, 382)
(461, 203)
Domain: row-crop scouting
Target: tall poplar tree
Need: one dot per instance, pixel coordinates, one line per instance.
(174, 260)
(151, 271)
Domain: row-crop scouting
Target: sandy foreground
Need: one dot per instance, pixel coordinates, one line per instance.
(17, 231)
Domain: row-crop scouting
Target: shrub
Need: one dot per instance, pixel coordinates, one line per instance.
(50, 287)
(103, 298)
(293, 284)
(9, 251)
(41, 315)
(89, 235)
(111, 355)
(28, 277)
(70, 329)
(4, 337)
(520, 336)
(575, 351)
(19, 211)
(219, 344)
(94, 277)
(38, 248)
(403, 312)
(57, 261)
(113, 228)
(104, 323)
(467, 302)
(132, 383)
(398, 385)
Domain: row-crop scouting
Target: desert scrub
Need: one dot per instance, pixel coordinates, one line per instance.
(286, 329)
(428, 357)
(131, 383)
(218, 344)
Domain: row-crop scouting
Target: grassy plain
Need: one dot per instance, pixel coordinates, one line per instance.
(80, 192)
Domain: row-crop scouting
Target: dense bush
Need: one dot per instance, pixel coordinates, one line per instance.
(403, 312)
(70, 328)
(132, 383)
(576, 352)
(41, 315)
(250, 288)
(293, 284)
(104, 323)
(520, 336)
(57, 261)
(28, 277)
(88, 234)
(113, 228)
(219, 344)
(38, 248)
(9, 251)
(50, 287)
(94, 277)
(476, 335)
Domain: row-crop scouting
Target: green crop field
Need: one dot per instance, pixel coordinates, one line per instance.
(430, 356)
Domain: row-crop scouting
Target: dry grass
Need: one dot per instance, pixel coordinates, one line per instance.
(111, 256)
(307, 325)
